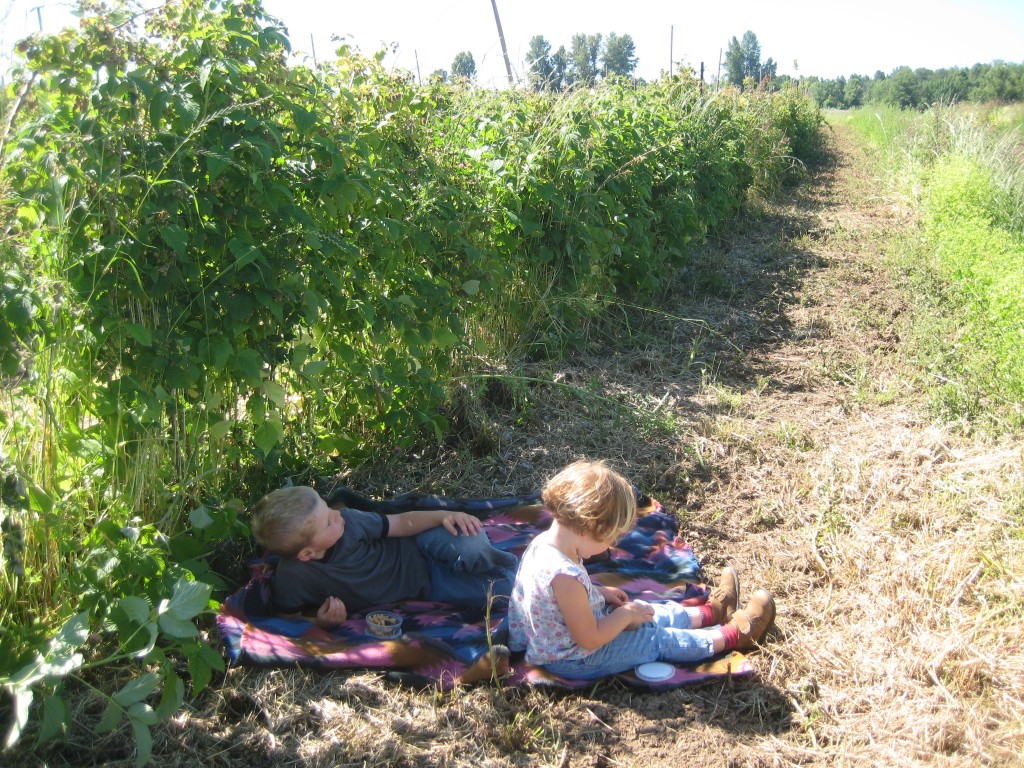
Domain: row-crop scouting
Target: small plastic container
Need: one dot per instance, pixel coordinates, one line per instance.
(655, 671)
(384, 624)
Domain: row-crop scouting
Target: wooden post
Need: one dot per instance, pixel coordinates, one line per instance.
(501, 38)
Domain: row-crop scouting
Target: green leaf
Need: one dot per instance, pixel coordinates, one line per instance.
(304, 119)
(268, 435)
(249, 363)
(200, 518)
(137, 689)
(22, 703)
(39, 499)
(244, 252)
(142, 712)
(311, 300)
(181, 629)
(136, 631)
(56, 716)
(135, 608)
(174, 695)
(314, 369)
(275, 392)
(444, 338)
(204, 74)
(111, 717)
(215, 351)
(29, 216)
(220, 430)
(187, 109)
(185, 546)
(200, 671)
(140, 333)
(471, 287)
(216, 164)
(75, 630)
(157, 107)
(211, 657)
(61, 664)
(188, 600)
(176, 238)
(143, 743)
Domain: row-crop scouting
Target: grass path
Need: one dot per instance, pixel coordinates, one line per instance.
(769, 401)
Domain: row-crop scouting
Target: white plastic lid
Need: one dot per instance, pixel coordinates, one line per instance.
(655, 671)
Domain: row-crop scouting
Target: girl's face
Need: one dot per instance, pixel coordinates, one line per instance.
(589, 546)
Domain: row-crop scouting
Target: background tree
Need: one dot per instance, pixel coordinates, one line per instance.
(901, 89)
(559, 68)
(751, 56)
(619, 56)
(538, 57)
(853, 94)
(586, 49)
(743, 60)
(734, 63)
(464, 66)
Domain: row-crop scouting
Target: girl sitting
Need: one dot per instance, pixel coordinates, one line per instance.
(575, 629)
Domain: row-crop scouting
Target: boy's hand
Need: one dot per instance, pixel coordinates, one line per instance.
(613, 596)
(460, 522)
(331, 613)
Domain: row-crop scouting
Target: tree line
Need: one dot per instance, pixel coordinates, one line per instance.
(919, 88)
(590, 58)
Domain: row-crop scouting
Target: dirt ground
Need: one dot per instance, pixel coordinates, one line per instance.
(769, 402)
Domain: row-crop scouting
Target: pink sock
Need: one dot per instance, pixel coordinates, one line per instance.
(707, 614)
(731, 636)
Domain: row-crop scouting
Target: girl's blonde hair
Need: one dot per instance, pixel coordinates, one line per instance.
(281, 519)
(591, 498)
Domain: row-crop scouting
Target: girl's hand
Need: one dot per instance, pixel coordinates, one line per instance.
(460, 522)
(614, 596)
(332, 613)
(639, 613)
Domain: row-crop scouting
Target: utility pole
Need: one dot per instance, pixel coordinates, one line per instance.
(501, 37)
(39, 16)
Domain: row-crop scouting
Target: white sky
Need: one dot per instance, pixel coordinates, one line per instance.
(826, 38)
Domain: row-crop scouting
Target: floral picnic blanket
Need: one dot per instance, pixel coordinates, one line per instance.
(439, 641)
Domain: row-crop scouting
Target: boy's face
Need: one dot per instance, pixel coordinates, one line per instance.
(327, 527)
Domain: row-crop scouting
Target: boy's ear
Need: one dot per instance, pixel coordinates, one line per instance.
(304, 554)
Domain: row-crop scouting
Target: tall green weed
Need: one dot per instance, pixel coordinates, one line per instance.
(960, 168)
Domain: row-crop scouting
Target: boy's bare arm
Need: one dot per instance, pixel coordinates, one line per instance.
(419, 520)
(332, 613)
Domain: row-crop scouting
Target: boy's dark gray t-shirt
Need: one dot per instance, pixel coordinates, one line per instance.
(363, 569)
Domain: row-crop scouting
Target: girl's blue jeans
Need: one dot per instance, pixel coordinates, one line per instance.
(668, 638)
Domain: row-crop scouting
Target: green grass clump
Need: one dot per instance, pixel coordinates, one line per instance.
(960, 170)
(981, 266)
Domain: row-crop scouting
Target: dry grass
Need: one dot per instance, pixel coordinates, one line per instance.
(786, 430)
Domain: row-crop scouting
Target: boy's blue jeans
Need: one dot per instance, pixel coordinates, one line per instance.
(466, 570)
(667, 638)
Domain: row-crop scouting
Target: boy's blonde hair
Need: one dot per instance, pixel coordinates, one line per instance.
(589, 497)
(281, 519)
